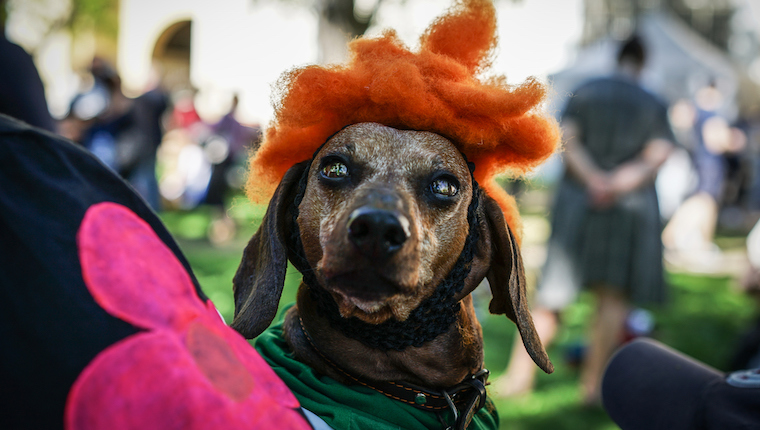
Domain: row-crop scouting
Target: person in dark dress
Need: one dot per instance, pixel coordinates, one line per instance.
(605, 221)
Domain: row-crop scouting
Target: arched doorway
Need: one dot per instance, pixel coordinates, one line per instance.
(172, 54)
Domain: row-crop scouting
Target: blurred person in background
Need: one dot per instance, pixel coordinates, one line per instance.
(228, 139)
(150, 111)
(185, 168)
(184, 115)
(717, 157)
(605, 220)
(226, 148)
(124, 133)
(22, 94)
(204, 163)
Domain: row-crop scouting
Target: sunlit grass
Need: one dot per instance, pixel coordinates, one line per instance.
(187, 225)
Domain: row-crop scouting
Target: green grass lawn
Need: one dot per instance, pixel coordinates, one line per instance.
(704, 319)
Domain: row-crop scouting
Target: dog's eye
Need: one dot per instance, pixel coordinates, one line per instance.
(444, 187)
(335, 170)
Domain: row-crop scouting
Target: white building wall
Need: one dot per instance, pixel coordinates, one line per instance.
(141, 22)
(536, 37)
(237, 46)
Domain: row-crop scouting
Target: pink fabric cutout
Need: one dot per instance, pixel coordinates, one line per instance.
(218, 362)
(188, 370)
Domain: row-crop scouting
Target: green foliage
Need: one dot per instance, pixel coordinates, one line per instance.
(44, 17)
(102, 15)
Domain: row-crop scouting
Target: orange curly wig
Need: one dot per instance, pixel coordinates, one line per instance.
(499, 127)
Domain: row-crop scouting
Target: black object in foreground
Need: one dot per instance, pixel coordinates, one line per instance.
(648, 385)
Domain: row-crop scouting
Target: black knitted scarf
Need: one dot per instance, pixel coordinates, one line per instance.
(434, 316)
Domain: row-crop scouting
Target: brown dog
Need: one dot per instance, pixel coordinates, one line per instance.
(383, 220)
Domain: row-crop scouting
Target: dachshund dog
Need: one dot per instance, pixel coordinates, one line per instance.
(377, 222)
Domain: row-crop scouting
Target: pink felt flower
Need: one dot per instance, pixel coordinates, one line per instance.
(187, 370)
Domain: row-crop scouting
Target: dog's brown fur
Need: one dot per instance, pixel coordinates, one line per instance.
(391, 170)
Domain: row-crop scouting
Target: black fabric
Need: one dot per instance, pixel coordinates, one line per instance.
(648, 385)
(50, 326)
(728, 407)
(22, 94)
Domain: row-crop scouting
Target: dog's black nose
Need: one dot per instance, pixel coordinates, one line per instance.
(377, 233)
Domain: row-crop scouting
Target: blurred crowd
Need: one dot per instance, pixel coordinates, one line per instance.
(198, 162)
(725, 170)
(156, 141)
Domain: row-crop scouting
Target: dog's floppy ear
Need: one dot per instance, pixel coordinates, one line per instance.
(506, 276)
(261, 275)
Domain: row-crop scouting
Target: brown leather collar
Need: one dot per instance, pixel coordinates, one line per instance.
(463, 399)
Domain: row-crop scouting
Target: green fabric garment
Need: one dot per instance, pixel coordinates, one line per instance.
(351, 407)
